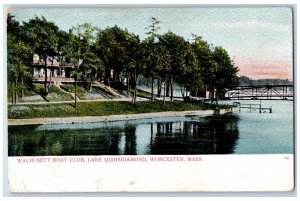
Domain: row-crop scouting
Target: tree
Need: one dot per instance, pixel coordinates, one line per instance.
(116, 48)
(137, 62)
(153, 53)
(226, 73)
(73, 54)
(85, 34)
(177, 48)
(85, 61)
(90, 65)
(64, 49)
(164, 66)
(190, 78)
(103, 47)
(205, 63)
(110, 48)
(43, 37)
(18, 54)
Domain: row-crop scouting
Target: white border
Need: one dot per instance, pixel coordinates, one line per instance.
(147, 2)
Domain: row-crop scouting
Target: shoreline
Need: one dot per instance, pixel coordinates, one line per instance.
(122, 117)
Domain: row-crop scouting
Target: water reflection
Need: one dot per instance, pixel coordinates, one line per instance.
(183, 135)
(214, 135)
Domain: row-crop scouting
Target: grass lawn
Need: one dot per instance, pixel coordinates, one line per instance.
(101, 88)
(54, 93)
(142, 93)
(36, 94)
(84, 94)
(81, 92)
(103, 91)
(99, 109)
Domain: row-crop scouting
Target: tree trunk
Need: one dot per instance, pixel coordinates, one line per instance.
(46, 74)
(75, 91)
(97, 76)
(127, 81)
(12, 93)
(101, 76)
(152, 88)
(216, 99)
(182, 92)
(16, 91)
(165, 91)
(213, 98)
(158, 87)
(91, 83)
(167, 87)
(135, 89)
(114, 76)
(130, 83)
(171, 88)
(118, 76)
(22, 82)
(107, 76)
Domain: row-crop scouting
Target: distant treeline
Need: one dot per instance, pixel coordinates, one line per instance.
(246, 81)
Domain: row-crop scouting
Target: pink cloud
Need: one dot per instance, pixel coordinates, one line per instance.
(266, 69)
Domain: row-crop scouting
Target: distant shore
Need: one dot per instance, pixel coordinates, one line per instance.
(85, 119)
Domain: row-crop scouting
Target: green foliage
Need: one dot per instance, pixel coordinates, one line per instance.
(226, 72)
(81, 47)
(90, 64)
(113, 54)
(205, 62)
(117, 48)
(217, 70)
(191, 77)
(42, 36)
(18, 54)
(153, 28)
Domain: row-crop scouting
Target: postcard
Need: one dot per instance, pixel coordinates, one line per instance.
(150, 99)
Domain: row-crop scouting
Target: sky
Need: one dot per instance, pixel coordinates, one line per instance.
(258, 39)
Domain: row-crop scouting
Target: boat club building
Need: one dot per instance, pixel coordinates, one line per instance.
(57, 72)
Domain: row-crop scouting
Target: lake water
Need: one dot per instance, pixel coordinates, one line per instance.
(240, 133)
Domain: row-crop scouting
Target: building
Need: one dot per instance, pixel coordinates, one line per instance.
(57, 72)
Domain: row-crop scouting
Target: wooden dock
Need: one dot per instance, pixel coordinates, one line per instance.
(253, 107)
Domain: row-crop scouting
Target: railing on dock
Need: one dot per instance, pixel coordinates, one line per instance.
(253, 107)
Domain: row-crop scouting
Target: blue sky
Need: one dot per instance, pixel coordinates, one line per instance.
(259, 39)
